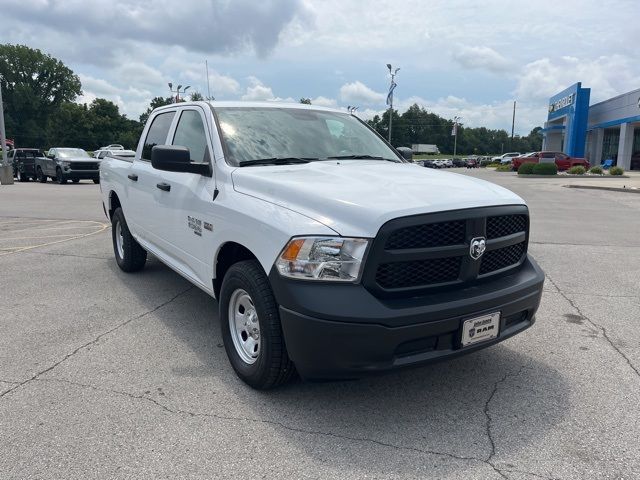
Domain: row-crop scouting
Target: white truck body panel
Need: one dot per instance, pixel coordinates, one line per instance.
(262, 207)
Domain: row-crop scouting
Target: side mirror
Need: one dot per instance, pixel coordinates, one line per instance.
(173, 158)
(406, 153)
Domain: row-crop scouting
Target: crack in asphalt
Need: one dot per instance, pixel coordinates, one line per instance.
(93, 342)
(597, 326)
(176, 411)
(489, 421)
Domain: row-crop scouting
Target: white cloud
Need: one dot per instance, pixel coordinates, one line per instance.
(257, 91)
(324, 102)
(606, 76)
(359, 94)
(484, 58)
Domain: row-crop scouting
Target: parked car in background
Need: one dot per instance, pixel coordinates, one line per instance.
(506, 156)
(23, 161)
(473, 163)
(562, 160)
(62, 164)
(121, 152)
(459, 162)
(430, 164)
(447, 163)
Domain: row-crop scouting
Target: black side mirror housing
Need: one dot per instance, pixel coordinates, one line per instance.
(174, 158)
(406, 153)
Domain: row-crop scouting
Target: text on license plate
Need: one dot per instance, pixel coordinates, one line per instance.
(479, 329)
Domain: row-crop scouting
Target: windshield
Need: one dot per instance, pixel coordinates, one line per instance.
(254, 133)
(71, 152)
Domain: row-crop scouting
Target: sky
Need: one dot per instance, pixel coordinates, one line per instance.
(456, 57)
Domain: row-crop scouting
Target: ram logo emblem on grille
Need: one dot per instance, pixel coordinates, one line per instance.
(477, 247)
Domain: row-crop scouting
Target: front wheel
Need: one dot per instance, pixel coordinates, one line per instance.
(42, 178)
(251, 329)
(21, 177)
(130, 256)
(96, 180)
(60, 176)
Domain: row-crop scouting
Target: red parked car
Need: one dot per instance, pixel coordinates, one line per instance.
(562, 160)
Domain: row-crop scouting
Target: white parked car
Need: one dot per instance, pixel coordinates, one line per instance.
(505, 158)
(329, 254)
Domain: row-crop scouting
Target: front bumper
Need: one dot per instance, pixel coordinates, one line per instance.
(343, 331)
(81, 174)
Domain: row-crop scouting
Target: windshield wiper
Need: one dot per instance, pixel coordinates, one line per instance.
(363, 157)
(276, 161)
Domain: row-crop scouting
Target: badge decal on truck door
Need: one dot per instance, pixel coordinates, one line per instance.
(477, 247)
(195, 224)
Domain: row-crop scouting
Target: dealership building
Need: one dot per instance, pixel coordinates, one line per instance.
(605, 130)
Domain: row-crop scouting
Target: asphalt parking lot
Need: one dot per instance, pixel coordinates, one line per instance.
(109, 375)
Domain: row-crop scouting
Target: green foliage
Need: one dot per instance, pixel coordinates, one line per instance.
(34, 85)
(496, 165)
(616, 171)
(545, 169)
(418, 125)
(306, 101)
(155, 103)
(577, 170)
(502, 168)
(526, 169)
(596, 170)
(196, 97)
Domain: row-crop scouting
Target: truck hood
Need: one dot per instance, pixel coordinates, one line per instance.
(356, 197)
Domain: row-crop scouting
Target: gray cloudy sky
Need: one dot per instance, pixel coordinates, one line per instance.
(457, 57)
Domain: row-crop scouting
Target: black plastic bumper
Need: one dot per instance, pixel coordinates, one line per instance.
(82, 174)
(343, 331)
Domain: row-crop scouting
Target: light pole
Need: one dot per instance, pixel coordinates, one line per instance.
(177, 91)
(456, 119)
(392, 87)
(6, 171)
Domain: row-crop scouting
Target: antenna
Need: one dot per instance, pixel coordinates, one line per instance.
(206, 66)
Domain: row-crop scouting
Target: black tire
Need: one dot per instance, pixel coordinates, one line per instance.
(75, 180)
(42, 178)
(133, 255)
(96, 180)
(20, 176)
(60, 176)
(272, 366)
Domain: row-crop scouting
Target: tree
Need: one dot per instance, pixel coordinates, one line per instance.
(306, 101)
(196, 97)
(34, 86)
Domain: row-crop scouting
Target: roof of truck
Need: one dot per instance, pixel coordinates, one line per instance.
(241, 104)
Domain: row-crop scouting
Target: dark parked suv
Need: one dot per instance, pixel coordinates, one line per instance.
(23, 161)
(62, 164)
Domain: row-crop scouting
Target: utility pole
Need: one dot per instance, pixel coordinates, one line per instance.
(177, 91)
(6, 171)
(513, 122)
(455, 134)
(392, 87)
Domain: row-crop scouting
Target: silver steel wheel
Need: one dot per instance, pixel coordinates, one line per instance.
(244, 326)
(119, 240)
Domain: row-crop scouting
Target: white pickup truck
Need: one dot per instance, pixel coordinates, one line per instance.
(328, 253)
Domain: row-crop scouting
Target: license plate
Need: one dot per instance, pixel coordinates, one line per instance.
(480, 329)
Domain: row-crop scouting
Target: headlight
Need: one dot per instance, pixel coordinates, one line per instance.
(323, 258)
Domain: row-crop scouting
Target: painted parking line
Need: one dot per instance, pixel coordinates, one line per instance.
(37, 237)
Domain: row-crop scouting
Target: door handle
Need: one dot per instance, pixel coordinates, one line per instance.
(133, 176)
(164, 186)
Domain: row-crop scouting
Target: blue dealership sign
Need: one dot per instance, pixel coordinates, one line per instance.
(572, 103)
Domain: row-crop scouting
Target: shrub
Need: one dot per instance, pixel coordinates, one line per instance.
(545, 169)
(596, 170)
(616, 171)
(503, 168)
(526, 169)
(577, 170)
(496, 164)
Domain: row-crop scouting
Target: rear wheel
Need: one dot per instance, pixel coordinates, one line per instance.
(130, 256)
(251, 329)
(42, 178)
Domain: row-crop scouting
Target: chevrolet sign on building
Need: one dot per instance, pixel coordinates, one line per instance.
(609, 129)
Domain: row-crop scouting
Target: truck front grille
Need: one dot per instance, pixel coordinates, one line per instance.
(413, 255)
(83, 165)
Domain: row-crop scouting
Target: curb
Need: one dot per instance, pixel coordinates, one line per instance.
(608, 177)
(611, 189)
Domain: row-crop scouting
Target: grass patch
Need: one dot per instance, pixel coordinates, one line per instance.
(503, 168)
